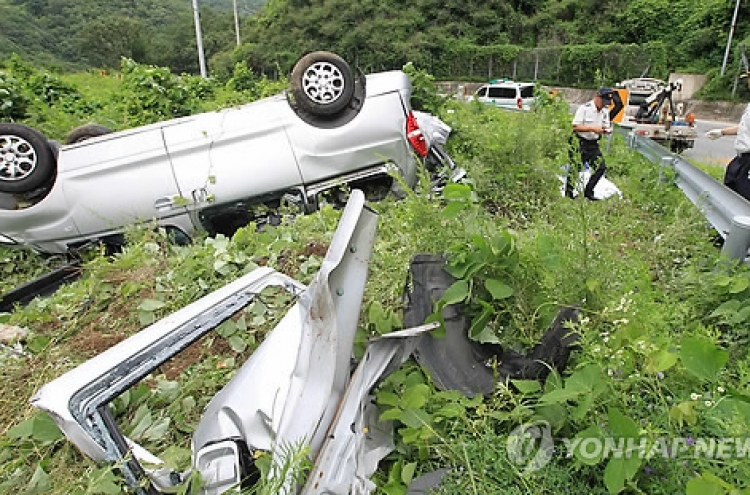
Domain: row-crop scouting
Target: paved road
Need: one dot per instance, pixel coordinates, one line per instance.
(715, 152)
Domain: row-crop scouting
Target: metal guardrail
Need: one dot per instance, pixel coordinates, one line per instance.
(727, 211)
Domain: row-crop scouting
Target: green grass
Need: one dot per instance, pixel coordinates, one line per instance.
(663, 349)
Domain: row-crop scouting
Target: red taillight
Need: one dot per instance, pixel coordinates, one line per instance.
(415, 136)
(519, 103)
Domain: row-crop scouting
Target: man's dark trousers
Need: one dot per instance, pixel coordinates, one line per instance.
(591, 155)
(737, 176)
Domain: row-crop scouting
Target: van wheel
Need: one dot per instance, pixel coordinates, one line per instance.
(26, 159)
(322, 83)
(84, 132)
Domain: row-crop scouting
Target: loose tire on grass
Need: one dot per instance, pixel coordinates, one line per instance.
(26, 159)
(322, 84)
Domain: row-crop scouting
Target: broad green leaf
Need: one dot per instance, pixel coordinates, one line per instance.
(146, 317)
(498, 289)
(660, 361)
(482, 246)
(487, 335)
(103, 481)
(453, 209)
(741, 316)
(409, 435)
(527, 386)
(461, 192)
(621, 425)
(560, 395)
(554, 414)
(237, 344)
(391, 414)
(176, 457)
(700, 486)
(227, 328)
(150, 305)
(456, 293)
(583, 409)
(415, 397)
(168, 390)
(479, 323)
(388, 398)
(589, 449)
(157, 430)
(722, 281)
(38, 343)
(142, 422)
(40, 428)
(451, 410)
(727, 308)
(589, 379)
(702, 358)
(619, 471)
(739, 284)
(39, 483)
(683, 413)
(415, 418)
(464, 269)
(407, 473)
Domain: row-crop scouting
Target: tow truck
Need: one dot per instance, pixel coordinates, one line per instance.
(658, 116)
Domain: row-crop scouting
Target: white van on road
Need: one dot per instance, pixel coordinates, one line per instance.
(505, 93)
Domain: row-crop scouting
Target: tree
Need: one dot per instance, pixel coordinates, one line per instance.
(105, 40)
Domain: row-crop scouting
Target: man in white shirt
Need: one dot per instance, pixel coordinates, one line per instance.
(737, 175)
(591, 121)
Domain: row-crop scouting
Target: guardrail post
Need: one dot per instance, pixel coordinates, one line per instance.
(738, 239)
(631, 142)
(666, 162)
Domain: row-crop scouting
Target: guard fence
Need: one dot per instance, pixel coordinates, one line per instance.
(726, 211)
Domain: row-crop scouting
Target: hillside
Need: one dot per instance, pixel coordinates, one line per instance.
(65, 32)
(470, 39)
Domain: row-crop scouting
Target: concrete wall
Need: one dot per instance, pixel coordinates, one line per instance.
(691, 83)
(703, 110)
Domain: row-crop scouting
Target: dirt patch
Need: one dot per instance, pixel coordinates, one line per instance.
(315, 248)
(208, 345)
(91, 341)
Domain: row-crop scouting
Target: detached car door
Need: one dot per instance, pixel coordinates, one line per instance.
(230, 156)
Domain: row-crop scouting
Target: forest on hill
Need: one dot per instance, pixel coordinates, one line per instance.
(448, 37)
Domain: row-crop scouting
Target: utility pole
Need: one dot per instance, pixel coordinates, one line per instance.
(199, 39)
(236, 23)
(729, 41)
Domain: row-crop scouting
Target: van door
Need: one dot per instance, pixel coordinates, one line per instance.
(232, 156)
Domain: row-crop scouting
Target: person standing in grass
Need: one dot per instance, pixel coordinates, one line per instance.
(590, 123)
(737, 175)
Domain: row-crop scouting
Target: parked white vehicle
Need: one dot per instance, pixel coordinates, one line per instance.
(505, 93)
(335, 127)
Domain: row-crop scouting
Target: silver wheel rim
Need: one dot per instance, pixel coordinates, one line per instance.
(323, 83)
(17, 158)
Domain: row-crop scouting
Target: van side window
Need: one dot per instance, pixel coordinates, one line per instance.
(482, 92)
(502, 93)
(527, 91)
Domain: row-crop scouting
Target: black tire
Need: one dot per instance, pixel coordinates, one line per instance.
(322, 84)
(26, 159)
(84, 132)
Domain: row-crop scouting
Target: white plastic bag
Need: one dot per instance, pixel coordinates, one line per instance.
(605, 188)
